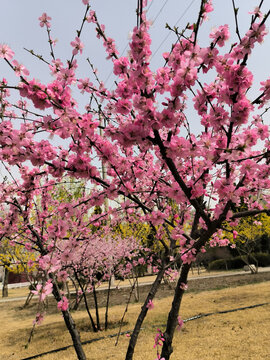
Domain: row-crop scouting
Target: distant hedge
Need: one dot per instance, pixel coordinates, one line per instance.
(238, 262)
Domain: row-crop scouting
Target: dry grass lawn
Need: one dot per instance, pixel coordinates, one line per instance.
(239, 335)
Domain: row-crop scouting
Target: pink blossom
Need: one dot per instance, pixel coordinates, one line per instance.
(85, 85)
(266, 91)
(263, 131)
(183, 286)
(220, 35)
(39, 319)
(6, 52)
(189, 256)
(91, 18)
(78, 46)
(207, 8)
(150, 305)
(56, 66)
(165, 173)
(159, 339)
(53, 41)
(180, 323)
(30, 263)
(43, 291)
(123, 106)
(67, 75)
(256, 12)
(257, 33)
(45, 20)
(63, 304)
(120, 66)
(19, 68)
(110, 47)
(28, 246)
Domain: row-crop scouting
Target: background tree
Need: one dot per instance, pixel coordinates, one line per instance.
(66, 240)
(15, 259)
(250, 238)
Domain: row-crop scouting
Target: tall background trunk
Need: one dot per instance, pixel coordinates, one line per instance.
(5, 283)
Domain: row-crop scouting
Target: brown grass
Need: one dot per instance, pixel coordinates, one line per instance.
(240, 335)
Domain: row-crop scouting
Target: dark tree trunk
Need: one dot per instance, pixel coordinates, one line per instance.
(28, 299)
(178, 294)
(86, 305)
(5, 283)
(173, 314)
(107, 303)
(89, 314)
(96, 307)
(142, 315)
(70, 324)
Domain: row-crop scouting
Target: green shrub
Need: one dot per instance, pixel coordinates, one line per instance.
(262, 258)
(238, 262)
(219, 264)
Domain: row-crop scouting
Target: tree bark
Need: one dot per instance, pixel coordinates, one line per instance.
(89, 314)
(28, 299)
(178, 294)
(107, 303)
(142, 315)
(96, 307)
(86, 305)
(5, 283)
(70, 324)
(173, 314)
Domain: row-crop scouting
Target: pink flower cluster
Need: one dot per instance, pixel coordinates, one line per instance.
(43, 290)
(220, 35)
(63, 304)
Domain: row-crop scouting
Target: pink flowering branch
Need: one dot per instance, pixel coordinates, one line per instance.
(179, 180)
(205, 8)
(79, 34)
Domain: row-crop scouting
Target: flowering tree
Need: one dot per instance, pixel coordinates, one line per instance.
(185, 185)
(82, 247)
